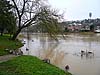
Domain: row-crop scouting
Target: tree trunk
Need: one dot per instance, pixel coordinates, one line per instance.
(1, 34)
(16, 34)
(2, 30)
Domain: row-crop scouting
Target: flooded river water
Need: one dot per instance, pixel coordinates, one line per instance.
(67, 51)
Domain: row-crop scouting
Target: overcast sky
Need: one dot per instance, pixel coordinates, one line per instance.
(77, 9)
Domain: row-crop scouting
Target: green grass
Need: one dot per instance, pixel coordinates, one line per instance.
(5, 43)
(29, 65)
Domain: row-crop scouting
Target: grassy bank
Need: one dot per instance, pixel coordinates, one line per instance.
(5, 43)
(86, 33)
(29, 65)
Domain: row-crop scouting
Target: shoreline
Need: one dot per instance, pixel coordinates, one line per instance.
(24, 66)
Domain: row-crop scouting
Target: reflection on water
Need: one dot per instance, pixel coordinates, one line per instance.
(67, 52)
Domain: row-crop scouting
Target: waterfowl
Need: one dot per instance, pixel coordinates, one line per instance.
(27, 49)
(46, 61)
(67, 67)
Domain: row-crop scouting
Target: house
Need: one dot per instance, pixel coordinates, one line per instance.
(85, 27)
(74, 27)
(97, 28)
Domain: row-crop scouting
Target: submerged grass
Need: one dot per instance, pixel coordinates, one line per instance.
(5, 43)
(29, 65)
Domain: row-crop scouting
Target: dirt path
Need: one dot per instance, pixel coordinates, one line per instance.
(6, 58)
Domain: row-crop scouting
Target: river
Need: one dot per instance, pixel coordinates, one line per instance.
(67, 51)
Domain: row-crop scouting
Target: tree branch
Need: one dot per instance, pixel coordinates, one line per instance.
(16, 8)
(23, 8)
(31, 20)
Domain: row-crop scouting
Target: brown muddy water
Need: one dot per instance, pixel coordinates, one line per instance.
(67, 51)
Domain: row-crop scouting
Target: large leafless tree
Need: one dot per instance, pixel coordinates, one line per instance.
(30, 12)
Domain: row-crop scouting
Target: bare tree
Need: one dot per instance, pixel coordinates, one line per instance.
(30, 12)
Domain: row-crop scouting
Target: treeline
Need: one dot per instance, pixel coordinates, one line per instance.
(7, 18)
